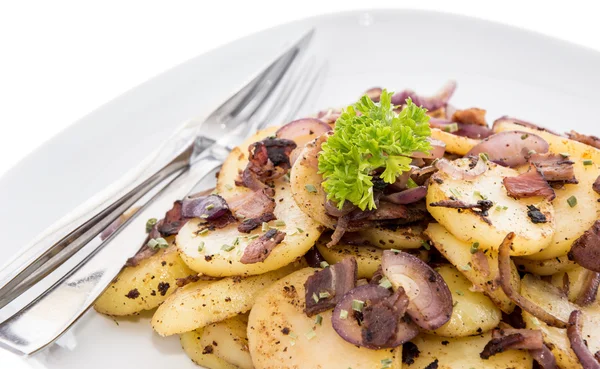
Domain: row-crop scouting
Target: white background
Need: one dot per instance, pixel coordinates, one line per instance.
(61, 59)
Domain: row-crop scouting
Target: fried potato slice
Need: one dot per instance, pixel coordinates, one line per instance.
(454, 144)
(571, 221)
(279, 333)
(395, 237)
(205, 302)
(490, 230)
(144, 286)
(368, 258)
(550, 299)
(201, 354)
(473, 312)
(484, 279)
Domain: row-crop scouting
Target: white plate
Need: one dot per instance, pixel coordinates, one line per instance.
(503, 69)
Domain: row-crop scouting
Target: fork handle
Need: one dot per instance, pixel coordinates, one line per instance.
(47, 317)
(44, 256)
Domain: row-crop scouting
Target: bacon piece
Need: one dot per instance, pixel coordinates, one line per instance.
(554, 168)
(252, 205)
(173, 220)
(588, 140)
(529, 184)
(259, 249)
(250, 224)
(470, 116)
(585, 251)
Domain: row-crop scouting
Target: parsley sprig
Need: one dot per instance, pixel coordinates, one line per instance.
(370, 136)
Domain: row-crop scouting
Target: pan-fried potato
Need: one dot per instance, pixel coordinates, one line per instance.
(489, 232)
(154, 279)
(454, 144)
(459, 254)
(473, 312)
(400, 237)
(304, 172)
(236, 162)
(226, 340)
(572, 221)
(281, 306)
(551, 300)
(576, 278)
(201, 303)
(545, 267)
(190, 342)
(301, 234)
(368, 258)
(463, 353)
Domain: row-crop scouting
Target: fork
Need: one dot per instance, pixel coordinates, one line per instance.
(276, 95)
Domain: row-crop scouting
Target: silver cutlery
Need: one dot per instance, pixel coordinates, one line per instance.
(70, 274)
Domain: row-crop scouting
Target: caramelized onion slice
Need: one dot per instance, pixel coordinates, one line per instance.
(586, 358)
(430, 299)
(516, 297)
(510, 148)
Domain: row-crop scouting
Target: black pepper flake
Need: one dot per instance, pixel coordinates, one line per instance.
(133, 294)
(410, 352)
(207, 350)
(535, 215)
(163, 288)
(445, 342)
(432, 365)
(208, 257)
(227, 299)
(163, 263)
(153, 293)
(285, 331)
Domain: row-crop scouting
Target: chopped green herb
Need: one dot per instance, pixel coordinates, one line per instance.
(452, 127)
(292, 342)
(531, 152)
(535, 321)
(588, 162)
(385, 283)
(265, 226)
(158, 243)
(324, 295)
(455, 192)
(311, 334)
(203, 232)
(324, 264)
(300, 230)
(454, 303)
(310, 188)
(343, 314)
(498, 207)
(201, 246)
(426, 245)
(228, 186)
(480, 195)
(524, 136)
(254, 236)
(150, 224)
(465, 267)
(293, 335)
(210, 206)
(370, 136)
(152, 243)
(484, 156)
(386, 363)
(572, 201)
(279, 223)
(204, 216)
(318, 320)
(460, 293)
(358, 305)
(227, 248)
(236, 241)
(411, 183)
(474, 247)
(564, 154)
(315, 297)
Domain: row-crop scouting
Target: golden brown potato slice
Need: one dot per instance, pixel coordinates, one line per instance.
(204, 302)
(571, 222)
(454, 144)
(473, 312)
(484, 279)
(545, 267)
(400, 237)
(368, 258)
(144, 286)
(279, 309)
(463, 353)
(470, 226)
(202, 354)
(550, 299)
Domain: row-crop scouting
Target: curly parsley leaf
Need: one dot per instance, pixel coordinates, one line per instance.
(369, 136)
